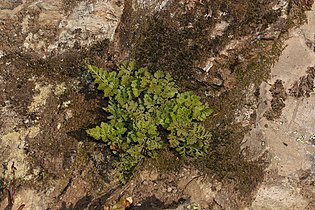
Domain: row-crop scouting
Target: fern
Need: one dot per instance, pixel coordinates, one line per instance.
(140, 103)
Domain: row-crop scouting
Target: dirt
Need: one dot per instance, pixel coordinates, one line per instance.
(222, 50)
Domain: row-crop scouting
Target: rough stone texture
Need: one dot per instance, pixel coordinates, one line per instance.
(279, 196)
(288, 140)
(46, 102)
(47, 27)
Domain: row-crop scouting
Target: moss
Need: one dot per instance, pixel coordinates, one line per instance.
(169, 44)
(176, 40)
(167, 162)
(82, 156)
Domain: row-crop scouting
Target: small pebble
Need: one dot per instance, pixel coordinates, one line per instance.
(59, 126)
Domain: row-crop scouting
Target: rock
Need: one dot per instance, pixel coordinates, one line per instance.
(169, 189)
(49, 28)
(9, 4)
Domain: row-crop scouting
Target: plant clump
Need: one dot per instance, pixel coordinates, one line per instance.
(142, 107)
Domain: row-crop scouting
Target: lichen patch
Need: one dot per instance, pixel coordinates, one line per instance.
(40, 98)
(12, 150)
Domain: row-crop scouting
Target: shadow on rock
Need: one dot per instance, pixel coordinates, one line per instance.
(81, 204)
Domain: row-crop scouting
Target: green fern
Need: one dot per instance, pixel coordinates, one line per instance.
(140, 103)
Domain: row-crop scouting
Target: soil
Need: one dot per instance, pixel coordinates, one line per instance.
(222, 50)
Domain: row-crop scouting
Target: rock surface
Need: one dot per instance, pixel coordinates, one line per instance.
(288, 139)
(222, 50)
